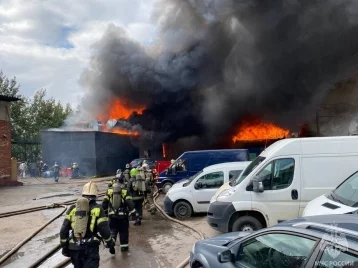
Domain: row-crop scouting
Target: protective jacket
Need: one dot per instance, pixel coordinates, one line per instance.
(134, 172)
(136, 195)
(97, 223)
(124, 210)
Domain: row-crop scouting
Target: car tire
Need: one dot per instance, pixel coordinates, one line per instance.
(166, 187)
(182, 210)
(246, 223)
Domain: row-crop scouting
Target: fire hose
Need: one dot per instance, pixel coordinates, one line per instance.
(57, 247)
(11, 252)
(186, 261)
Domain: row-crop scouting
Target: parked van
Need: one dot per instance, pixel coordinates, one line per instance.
(343, 200)
(194, 194)
(280, 182)
(190, 163)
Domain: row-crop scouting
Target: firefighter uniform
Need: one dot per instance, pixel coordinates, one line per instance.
(83, 248)
(138, 199)
(126, 174)
(119, 218)
(150, 191)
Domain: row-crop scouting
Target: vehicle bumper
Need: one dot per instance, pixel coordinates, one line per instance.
(159, 185)
(219, 214)
(168, 205)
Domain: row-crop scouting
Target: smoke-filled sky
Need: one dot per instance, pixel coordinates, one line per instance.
(216, 62)
(48, 43)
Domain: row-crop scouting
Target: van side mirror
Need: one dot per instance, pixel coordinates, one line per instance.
(198, 185)
(257, 185)
(225, 256)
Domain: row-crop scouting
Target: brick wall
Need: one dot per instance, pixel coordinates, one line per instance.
(5, 152)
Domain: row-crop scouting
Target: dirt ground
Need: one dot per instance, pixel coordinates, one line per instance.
(157, 243)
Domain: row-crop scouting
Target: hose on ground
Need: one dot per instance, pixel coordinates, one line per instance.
(63, 263)
(186, 261)
(11, 252)
(46, 256)
(33, 209)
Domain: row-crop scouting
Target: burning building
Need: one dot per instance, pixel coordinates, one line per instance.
(215, 64)
(97, 153)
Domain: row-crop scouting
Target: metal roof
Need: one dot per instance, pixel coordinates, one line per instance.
(8, 98)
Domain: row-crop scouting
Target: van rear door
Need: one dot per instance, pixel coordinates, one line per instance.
(280, 200)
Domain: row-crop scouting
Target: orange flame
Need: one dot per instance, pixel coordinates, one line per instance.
(119, 109)
(252, 131)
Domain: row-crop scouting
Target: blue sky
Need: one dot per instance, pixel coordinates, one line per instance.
(47, 43)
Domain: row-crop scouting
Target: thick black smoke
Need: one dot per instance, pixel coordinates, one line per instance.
(215, 62)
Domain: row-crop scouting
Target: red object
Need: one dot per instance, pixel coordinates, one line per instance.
(162, 165)
(63, 172)
(69, 172)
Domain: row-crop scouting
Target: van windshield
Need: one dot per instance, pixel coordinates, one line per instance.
(249, 169)
(347, 192)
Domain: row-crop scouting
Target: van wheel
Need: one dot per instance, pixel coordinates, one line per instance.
(246, 224)
(182, 210)
(166, 187)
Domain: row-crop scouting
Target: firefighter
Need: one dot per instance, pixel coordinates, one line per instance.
(137, 189)
(150, 188)
(84, 221)
(56, 171)
(75, 170)
(133, 173)
(126, 174)
(119, 206)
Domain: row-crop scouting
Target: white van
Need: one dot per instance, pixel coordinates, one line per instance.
(194, 194)
(343, 200)
(280, 182)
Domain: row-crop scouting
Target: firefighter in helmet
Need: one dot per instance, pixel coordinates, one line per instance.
(149, 179)
(137, 188)
(56, 171)
(84, 221)
(119, 206)
(126, 174)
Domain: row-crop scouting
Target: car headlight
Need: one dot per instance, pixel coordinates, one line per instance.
(227, 193)
(193, 249)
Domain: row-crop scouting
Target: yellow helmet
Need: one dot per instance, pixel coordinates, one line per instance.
(90, 188)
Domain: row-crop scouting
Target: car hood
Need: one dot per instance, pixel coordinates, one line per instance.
(224, 239)
(178, 185)
(323, 206)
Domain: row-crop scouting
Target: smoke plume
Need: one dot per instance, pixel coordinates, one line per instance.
(214, 62)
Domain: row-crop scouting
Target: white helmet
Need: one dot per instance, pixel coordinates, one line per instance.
(90, 188)
(127, 166)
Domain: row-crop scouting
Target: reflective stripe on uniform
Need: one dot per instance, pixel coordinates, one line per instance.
(100, 220)
(94, 215)
(63, 240)
(124, 246)
(108, 239)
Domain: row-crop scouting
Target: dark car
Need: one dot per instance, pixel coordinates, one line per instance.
(139, 161)
(327, 241)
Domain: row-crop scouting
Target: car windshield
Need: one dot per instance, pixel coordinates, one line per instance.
(249, 169)
(347, 192)
(192, 178)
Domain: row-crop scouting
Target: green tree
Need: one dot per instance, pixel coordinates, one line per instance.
(31, 115)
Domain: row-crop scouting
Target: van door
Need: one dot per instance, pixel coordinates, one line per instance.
(205, 188)
(280, 200)
(197, 162)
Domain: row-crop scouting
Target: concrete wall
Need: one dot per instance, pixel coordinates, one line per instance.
(5, 144)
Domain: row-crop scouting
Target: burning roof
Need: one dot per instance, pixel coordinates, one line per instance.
(214, 63)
